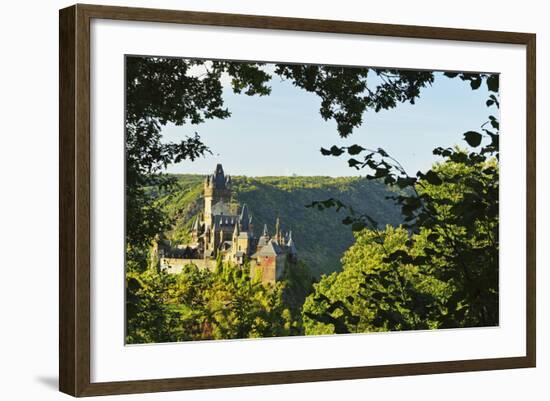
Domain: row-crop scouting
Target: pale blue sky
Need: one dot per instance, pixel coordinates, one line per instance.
(281, 134)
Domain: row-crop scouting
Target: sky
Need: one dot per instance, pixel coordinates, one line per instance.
(281, 134)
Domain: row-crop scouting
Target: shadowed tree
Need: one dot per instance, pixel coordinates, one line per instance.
(451, 212)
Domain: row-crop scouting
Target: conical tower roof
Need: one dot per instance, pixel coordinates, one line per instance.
(290, 244)
(219, 177)
(244, 219)
(236, 230)
(264, 238)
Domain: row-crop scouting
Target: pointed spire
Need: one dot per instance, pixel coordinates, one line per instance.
(277, 228)
(244, 219)
(218, 178)
(236, 230)
(290, 244)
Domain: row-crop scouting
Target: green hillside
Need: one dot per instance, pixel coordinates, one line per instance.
(320, 236)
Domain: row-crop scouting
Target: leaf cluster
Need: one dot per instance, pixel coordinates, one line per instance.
(451, 214)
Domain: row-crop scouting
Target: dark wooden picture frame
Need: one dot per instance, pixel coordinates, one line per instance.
(74, 201)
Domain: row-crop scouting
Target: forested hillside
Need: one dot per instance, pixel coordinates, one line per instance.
(320, 238)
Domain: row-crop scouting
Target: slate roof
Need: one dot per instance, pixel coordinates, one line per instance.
(225, 220)
(270, 249)
(291, 247)
(290, 244)
(219, 178)
(244, 218)
(262, 241)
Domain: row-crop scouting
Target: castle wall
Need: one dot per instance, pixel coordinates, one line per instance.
(174, 265)
(214, 199)
(242, 245)
(280, 261)
(269, 268)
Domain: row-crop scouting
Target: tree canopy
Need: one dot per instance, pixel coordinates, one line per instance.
(446, 263)
(207, 305)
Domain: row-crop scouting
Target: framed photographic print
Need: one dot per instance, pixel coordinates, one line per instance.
(250, 200)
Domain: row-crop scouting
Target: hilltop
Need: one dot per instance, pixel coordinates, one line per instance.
(320, 236)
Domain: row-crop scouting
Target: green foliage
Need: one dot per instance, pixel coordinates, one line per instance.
(374, 294)
(442, 274)
(204, 305)
(475, 80)
(298, 284)
(320, 238)
(149, 316)
(345, 92)
(444, 271)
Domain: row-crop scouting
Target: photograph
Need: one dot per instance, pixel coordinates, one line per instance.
(271, 199)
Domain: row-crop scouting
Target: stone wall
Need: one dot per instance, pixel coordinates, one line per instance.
(173, 265)
(269, 268)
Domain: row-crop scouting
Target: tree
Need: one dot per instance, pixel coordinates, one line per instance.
(149, 316)
(297, 284)
(373, 294)
(452, 213)
(202, 305)
(346, 94)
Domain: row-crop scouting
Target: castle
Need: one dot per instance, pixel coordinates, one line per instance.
(223, 232)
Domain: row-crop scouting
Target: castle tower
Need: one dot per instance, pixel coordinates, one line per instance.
(264, 239)
(206, 243)
(217, 188)
(236, 233)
